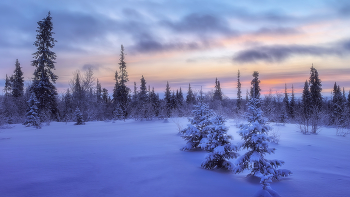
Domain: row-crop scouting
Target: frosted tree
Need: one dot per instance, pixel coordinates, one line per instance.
(256, 142)
(190, 98)
(17, 81)
(316, 99)
(168, 100)
(122, 93)
(217, 142)
(195, 131)
(292, 105)
(78, 117)
(32, 116)
(44, 60)
(239, 92)
(217, 93)
(143, 100)
(305, 109)
(338, 107)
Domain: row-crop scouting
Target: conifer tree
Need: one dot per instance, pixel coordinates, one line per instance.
(190, 98)
(168, 100)
(180, 98)
(7, 88)
(316, 99)
(44, 60)
(32, 116)
(315, 89)
(217, 92)
(217, 142)
(292, 104)
(68, 106)
(143, 100)
(98, 92)
(338, 106)
(239, 92)
(195, 131)
(255, 136)
(17, 81)
(123, 91)
(306, 108)
(116, 88)
(78, 117)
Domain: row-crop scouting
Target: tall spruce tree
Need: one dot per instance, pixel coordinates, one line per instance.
(168, 100)
(239, 92)
(122, 91)
(7, 88)
(255, 136)
(17, 82)
(143, 100)
(44, 78)
(292, 104)
(315, 89)
(306, 107)
(190, 98)
(316, 99)
(116, 88)
(338, 106)
(217, 92)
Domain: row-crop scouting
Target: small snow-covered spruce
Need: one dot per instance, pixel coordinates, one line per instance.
(195, 132)
(32, 115)
(79, 117)
(256, 139)
(218, 144)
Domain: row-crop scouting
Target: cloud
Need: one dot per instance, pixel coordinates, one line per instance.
(201, 24)
(276, 31)
(279, 53)
(152, 46)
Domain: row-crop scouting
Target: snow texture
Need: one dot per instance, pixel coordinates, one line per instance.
(136, 158)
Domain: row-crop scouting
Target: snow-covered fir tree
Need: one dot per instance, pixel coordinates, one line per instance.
(17, 84)
(190, 98)
(316, 100)
(217, 142)
(195, 131)
(256, 142)
(292, 105)
(78, 117)
(306, 107)
(44, 60)
(217, 93)
(239, 92)
(7, 88)
(338, 107)
(168, 100)
(32, 116)
(122, 93)
(143, 101)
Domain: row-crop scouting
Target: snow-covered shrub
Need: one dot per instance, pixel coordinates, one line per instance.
(177, 122)
(275, 135)
(218, 144)
(79, 117)
(194, 132)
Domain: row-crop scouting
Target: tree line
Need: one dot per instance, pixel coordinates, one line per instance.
(39, 101)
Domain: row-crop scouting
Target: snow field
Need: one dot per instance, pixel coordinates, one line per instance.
(143, 158)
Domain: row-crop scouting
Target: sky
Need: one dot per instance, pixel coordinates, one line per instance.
(185, 41)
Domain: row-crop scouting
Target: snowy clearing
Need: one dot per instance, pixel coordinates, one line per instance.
(143, 158)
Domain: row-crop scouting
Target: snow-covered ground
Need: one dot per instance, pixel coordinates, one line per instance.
(143, 158)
